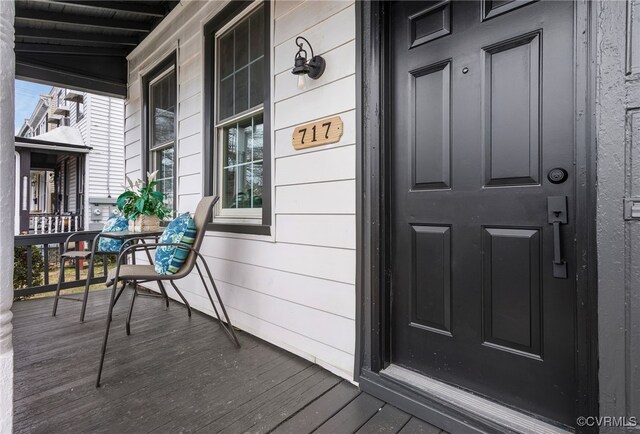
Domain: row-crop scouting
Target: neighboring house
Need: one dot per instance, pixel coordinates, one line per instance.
(71, 162)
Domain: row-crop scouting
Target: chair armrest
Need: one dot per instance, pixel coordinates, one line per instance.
(153, 246)
(70, 237)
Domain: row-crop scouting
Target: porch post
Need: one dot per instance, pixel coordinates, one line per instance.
(7, 191)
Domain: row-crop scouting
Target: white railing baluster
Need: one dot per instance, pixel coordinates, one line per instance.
(49, 225)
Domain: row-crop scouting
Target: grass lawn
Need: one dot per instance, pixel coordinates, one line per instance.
(70, 275)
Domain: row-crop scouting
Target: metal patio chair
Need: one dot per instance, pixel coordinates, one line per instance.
(146, 273)
(76, 255)
(87, 255)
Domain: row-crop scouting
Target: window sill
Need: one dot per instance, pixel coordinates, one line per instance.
(250, 229)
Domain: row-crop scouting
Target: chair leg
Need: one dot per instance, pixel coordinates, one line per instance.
(86, 288)
(186, 303)
(204, 283)
(229, 327)
(106, 331)
(164, 293)
(133, 300)
(55, 299)
(124, 283)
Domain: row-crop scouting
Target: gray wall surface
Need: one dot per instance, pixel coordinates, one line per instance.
(618, 160)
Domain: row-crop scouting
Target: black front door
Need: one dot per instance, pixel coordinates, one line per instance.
(482, 282)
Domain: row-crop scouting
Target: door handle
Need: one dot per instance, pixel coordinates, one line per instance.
(557, 215)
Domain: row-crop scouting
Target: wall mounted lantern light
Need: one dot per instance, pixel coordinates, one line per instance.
(313, 67)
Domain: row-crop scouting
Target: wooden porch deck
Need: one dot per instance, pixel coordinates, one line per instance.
(175, 374)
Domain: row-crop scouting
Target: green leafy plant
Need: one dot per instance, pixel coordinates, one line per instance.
(141, 198)
(21, 269)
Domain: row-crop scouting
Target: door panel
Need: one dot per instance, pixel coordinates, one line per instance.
(511, 95)
(430, 23)
(511, 289)
(431, 285)
(481, 109)
(431, 98)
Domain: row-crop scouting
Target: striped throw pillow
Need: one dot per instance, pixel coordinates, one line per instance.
(169, 259)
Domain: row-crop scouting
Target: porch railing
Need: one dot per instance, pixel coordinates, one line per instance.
(44, 223)
(37, 263)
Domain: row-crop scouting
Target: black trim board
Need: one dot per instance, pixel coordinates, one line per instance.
(228, 13)
(60, 75)
(170, 60)
(586, 210)
(372, 331)
(370, 246)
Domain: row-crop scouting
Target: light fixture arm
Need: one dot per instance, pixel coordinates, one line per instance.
(299, 44)
(314, 67)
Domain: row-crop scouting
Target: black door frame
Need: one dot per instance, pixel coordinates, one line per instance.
(372, 278)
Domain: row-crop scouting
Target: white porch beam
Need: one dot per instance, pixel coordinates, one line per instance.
(7, 188)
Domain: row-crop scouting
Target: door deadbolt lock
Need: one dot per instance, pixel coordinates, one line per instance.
(557, 175)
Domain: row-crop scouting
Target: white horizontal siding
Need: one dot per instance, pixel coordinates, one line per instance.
(191, 145)
(295, 288)
(331, 230)
(324, 36)
(312, 261)
(283, 7)
(73, 182)
(189, 184)
(337, 197)
(329, 165)
(306, 17)
(325, 101)
(191, 105)
(107, 137)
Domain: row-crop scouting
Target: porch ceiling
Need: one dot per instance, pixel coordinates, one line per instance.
(82, 44)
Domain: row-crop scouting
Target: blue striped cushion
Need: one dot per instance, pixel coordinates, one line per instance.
(182, 230)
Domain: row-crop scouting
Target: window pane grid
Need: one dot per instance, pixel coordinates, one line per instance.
(243, 164)
(240, 64)
(243, 67)
(161, 142)
(163, 108)
(163, 161)
(242, 169)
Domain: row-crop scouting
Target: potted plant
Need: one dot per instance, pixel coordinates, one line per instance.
(142, 205)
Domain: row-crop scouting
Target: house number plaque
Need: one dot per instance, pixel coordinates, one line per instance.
(318, 133)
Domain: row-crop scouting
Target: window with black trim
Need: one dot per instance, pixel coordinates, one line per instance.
(237, 68)
(160, 94)
(79, 109)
